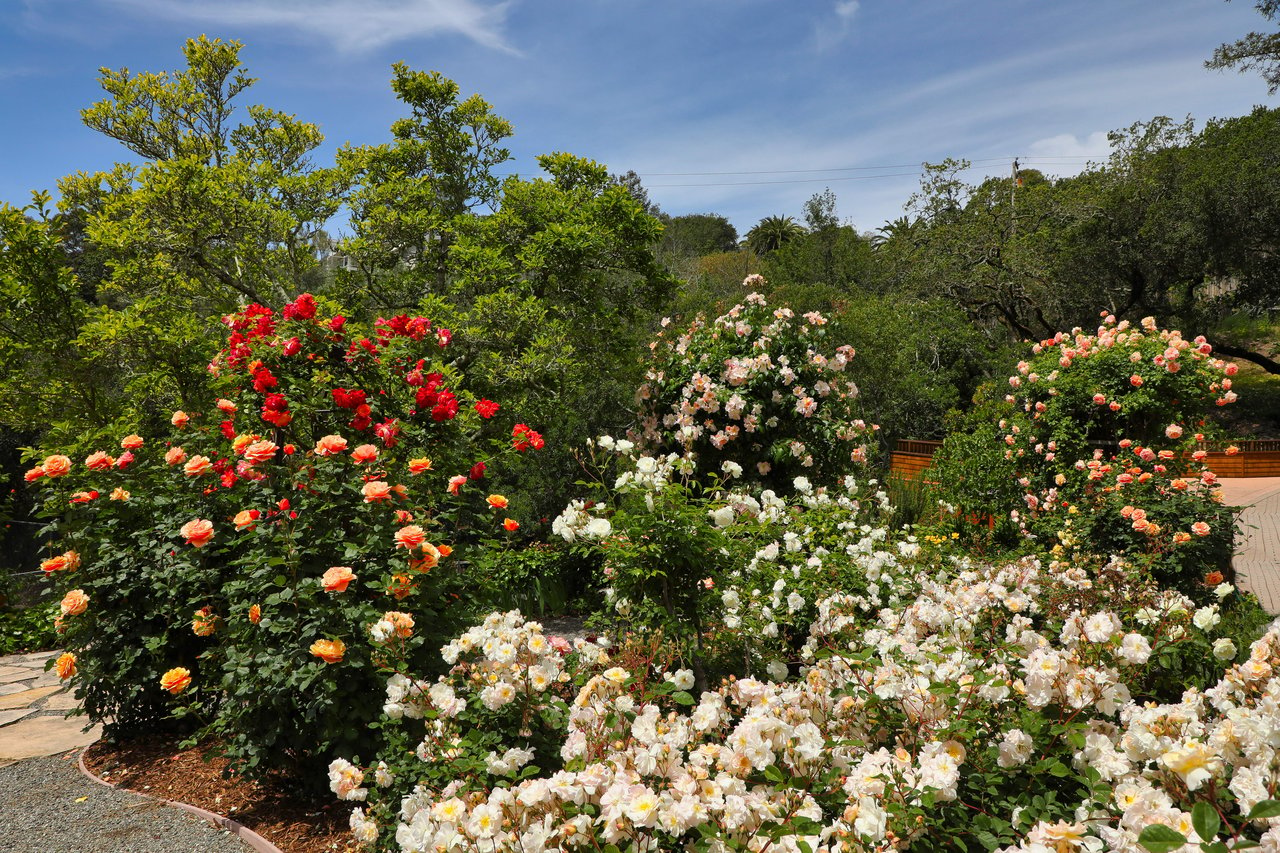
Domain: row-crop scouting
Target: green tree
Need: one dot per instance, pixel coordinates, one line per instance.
(410, 195)
(772, 232)
(1255, 52)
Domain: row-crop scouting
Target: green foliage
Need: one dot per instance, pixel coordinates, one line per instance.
(1254, 52)
(27, 629)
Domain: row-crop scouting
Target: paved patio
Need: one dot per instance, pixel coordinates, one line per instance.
(1257, 559)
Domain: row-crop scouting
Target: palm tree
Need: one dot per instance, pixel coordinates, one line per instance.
(896, 229)
(772, 232)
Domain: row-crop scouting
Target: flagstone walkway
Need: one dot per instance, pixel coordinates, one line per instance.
(33, 707)
(1257, 560)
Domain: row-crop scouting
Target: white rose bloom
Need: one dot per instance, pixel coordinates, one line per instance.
(730, 599)
(777, 670)
(623, 446)
(794, 602)
(598, 528)
(1222, 590)
(683, 679)
(1224, 649)
(1207, 618)
(802, 485)
(1135, 649)
(731, 469)
(1015, 748)
(722, 517)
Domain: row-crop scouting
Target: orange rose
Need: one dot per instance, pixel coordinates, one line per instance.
(511, 524)
(99, 461)
(132, 442)
(400, 587)
(196, 466)
(66, 665)
(497, 501)
(456, 482)
(74, 603)
(329, 651)
(410, 537)
(180, 419)
(119, 493)
(364, 453)
(403, 516)
(197, 532)
(204, 622)
(34, 474)
(1214, 578)
(255, 614)
(226, 406)
(56, 465)
(444, 550)
(176, 680)
(376, 490)
(245, 519)
(420, 465)
(259, 452)
(68, 561)
(330, 445)
(1200, 528)
(1180, 537)
(403, 622)
(428, 557)
(337, 579)
(175, 456)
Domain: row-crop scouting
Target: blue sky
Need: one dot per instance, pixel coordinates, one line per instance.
(739, 107)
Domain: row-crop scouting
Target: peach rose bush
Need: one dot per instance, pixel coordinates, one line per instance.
(224, 576)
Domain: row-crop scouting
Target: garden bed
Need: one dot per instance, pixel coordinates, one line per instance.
(157, 767)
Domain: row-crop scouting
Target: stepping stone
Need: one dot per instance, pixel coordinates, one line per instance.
(43, 736)
(47, 678)
(14, 687)
(15, 714)
(15, 673)
(21, 700)
(61, 702)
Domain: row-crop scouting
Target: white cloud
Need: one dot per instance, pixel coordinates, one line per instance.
(830, 33)
(1093, 147)
(350, 25)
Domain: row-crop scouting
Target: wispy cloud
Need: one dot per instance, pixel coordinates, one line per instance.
(833, 29)
(354, 26)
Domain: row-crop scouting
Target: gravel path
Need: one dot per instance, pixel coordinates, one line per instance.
(47, 806)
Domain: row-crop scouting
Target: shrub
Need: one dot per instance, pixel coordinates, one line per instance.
(758, 387)
(246, 554)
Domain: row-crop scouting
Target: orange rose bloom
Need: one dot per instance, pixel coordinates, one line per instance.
(131, 442)
(337, 579)
(175, 456)
(56, 465)
(330, 444)
(329, 651)
(420, 465)
(68, 561)
(226, 405)
(119, 493)
(427, 558)
(99, 461)
(197, 532)
(260, 451)
(1180, 537)
(34, 474)
(74, 603)
(1213, 578)
(66, 665)
(244, 520)
(444, 550)
(255, 614)
(376, 490)
(364, 453)
(176, 680)
(402, 621)
(196, 466)
(456, 482)
(204, 622)
(180, 419)
(403, 516)
(510, 524)
(400, 587)
(497, 501)
(410, 537)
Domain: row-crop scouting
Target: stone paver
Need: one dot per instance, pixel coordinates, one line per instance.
(33, 707)
(1257, 560)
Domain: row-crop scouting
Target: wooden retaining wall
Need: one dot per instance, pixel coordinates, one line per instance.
(1254, 459)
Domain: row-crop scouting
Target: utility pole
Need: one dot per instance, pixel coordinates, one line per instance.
(1013, 210)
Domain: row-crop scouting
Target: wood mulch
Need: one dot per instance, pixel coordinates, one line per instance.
(159, 768)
